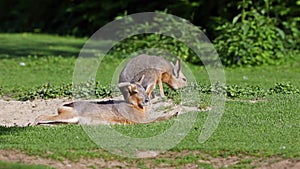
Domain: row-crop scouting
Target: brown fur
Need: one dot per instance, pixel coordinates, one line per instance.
(96, 113)
(151, 78)
(156, 70)
(104, 112)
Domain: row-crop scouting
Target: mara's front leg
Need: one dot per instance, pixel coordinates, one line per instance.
(161, 89)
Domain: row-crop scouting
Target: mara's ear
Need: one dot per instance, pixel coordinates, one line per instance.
(141, 80)
(132, 89)
(173, 69)
(178, 66)
(124, 84)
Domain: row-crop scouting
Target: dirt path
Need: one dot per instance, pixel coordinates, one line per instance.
(270, 163)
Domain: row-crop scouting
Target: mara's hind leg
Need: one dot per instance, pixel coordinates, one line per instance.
(65, 115)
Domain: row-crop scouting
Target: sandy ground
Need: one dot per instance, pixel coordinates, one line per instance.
(17, 113)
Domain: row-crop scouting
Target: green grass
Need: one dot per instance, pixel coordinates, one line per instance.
(264, 129)
(52, 59)
(261, 128)
(265, 76)
(37, 71)
(40, 140)
(267, 128)
(47, 59)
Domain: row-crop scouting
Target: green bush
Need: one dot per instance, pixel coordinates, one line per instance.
(251, 39)
(170, 36)
(286, 13)
(148, 44)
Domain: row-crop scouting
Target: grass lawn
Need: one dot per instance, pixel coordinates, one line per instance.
(267, 128)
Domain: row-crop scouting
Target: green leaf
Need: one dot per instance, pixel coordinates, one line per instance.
(281, 33)
(236, 18)
(245, 29)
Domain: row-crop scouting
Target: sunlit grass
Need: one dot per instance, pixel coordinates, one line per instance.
(268, 127)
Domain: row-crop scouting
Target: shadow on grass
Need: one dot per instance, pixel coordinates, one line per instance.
(10, 130)
(43, 50)
(9, 135)
(20, 45)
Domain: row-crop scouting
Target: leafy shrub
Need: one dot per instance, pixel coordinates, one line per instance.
(292, 28)
(251, 39)
(148, 43)
(86, 90)
(232, 90)
(94, 90)
(237, 91)
(284, 88)
(171, 36)
(287, 14)
(46, 91)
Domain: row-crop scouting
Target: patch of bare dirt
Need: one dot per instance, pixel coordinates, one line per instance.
(17, 156)
(18, 113)
(280, 164)
(255, 100)
(216, 162)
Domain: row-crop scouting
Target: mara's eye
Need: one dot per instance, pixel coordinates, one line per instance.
(184, 79)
